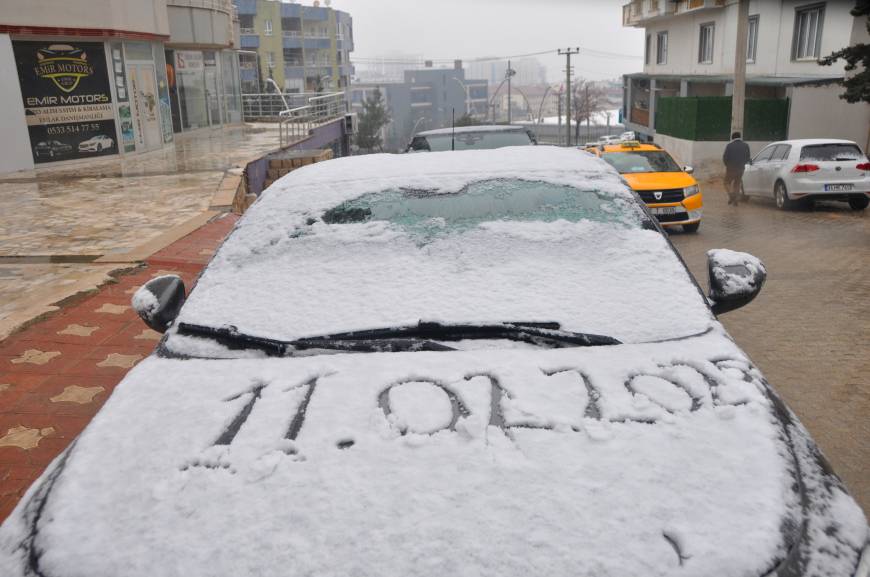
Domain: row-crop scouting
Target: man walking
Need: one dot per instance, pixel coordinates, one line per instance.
(735, 158)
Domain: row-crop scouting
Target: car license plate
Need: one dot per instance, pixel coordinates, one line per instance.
(838, 187)
(663, 210)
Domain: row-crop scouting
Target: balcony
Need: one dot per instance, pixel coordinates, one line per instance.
(640, 12)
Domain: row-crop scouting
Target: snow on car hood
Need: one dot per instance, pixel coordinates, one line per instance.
(622, 460)
(281, 275)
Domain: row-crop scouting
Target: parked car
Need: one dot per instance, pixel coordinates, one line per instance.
(51, 149)
(671, 192)
(483, 363)
(628, 135)
(96, 143)
(802, 171)
(471, 138)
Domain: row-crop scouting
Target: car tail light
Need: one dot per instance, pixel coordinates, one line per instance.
(805, 168)
(863, 166)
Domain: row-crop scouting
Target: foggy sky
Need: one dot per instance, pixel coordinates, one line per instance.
(438, 29)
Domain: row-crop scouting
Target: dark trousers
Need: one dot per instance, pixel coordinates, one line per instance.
(733, 179)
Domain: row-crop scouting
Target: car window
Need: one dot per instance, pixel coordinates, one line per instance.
(475, 140)
(636, 161)
(831, 151)
(765, 154)
(427, 214)
(781, 152)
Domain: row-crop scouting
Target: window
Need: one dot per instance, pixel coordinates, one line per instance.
(765, 154)
(646, 50)
(807, 40)
(781, 152)
(268, 28)
(705, 44)
(270, 60)
(752, 38)
(662, 48)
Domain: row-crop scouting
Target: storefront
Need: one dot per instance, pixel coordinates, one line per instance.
(203, 88)
(89, 99)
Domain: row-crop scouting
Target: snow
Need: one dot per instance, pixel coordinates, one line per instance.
(145, 303)
(735, 283)
(545, 463)
(595, 119)
(464, 129)
(279, 277)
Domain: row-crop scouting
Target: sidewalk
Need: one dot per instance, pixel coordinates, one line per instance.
(56, 374)
(65, 230)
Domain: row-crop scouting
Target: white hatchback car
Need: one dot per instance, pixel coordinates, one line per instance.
(793, 171)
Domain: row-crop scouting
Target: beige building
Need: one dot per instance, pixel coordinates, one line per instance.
(99, 78)
(681, 99)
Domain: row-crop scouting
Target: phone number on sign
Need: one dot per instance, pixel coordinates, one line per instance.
(74, 128)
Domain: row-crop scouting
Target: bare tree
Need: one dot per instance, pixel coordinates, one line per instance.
(588, 98)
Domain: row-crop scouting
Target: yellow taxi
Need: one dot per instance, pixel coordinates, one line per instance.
(671, 193)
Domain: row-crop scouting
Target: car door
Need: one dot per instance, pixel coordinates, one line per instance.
(772, 167)
(752, 174)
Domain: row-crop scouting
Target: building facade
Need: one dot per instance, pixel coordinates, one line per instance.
(682, 97)
(427, 99)
(94, 78)
(202, 64)
(301, 48)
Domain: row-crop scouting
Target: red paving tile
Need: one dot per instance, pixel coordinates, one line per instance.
(27, 400)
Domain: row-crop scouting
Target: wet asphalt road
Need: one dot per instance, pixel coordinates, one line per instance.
(809, 329)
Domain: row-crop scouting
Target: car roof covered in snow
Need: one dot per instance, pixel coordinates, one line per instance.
(478, 128)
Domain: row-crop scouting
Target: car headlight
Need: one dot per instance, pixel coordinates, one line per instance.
(690, 190)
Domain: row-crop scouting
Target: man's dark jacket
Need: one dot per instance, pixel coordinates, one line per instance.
(736, 156)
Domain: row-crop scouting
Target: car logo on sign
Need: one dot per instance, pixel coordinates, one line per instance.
(658, 195)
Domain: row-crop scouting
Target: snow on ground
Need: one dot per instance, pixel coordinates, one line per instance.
(280, 277)
(540, 463)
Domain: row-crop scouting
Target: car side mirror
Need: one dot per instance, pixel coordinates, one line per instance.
(735, 279)
(688, 170)
(159, 300)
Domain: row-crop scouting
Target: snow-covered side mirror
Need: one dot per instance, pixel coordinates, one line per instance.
(688, 170)
(735, 279)
(159, 300)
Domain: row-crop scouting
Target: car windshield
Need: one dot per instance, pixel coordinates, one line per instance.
(630, 162)
(471, 140)
(425, 214)
(831, 151)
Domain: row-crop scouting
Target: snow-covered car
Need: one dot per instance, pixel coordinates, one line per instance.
(796, 172)
(96, 143)
(482, 363)
(471, 138)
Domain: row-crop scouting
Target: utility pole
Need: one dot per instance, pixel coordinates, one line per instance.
(738, 97)
(588, 113)
(567, 53)
(509, 72)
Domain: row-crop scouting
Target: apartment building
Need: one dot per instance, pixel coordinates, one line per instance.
(96, 78)
(301, 48)
(427, 99)
(682, 97)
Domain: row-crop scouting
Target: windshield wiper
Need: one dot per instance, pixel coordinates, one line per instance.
(231, 338)
(420, 337)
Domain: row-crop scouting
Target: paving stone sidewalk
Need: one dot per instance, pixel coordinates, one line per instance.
(56, 374)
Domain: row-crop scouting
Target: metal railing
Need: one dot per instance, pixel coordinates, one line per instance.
(268, 106)
(297, 123)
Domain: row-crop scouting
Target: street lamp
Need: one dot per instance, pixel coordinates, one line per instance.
(465, 88)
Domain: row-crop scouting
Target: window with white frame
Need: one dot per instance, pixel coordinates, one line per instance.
(705, 44)
(270, 59)
(267, 30)
(807, 39)
(662, 48)
(752, 38)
